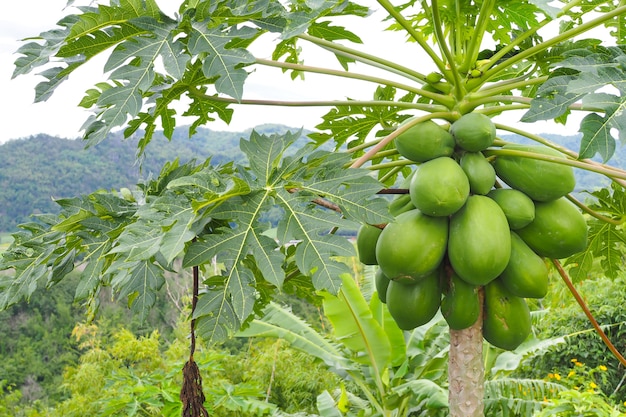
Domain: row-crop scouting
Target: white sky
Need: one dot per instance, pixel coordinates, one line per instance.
(61, 116)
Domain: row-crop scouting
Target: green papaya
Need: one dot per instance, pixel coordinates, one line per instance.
(559, 229)
(479, 172)
(540, 180)
(412, 305)
(506, 320)
(518, 208)
(439, 187)
(366, 239)
(382, 283)
(479, 244)
(460, 305)
(526, 274)
(412, 246)
(424, 141)
(473, 132)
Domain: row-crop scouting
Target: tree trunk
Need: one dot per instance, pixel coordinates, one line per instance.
(466, 373)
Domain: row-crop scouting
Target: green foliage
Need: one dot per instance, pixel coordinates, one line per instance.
(581, 344)
(201, 211)
(120, 374)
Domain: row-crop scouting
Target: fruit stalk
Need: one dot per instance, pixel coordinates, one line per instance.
(466, 373)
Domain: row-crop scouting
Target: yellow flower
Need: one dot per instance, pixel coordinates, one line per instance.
(550, 376)
(593, 385)
(557, 377)
(574, 360)
(571, 374)
(602, 368)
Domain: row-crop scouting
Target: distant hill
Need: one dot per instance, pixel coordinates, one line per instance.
(37, 169)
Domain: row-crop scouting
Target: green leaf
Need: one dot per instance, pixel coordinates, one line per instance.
(596, 129)
(215, 318)
(357, 122)
(552, 99)
(140, 285)
(605, 240)
(279, 322)
(354, 325)
(218, 59)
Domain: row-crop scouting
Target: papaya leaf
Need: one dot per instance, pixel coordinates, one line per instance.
(354, 122)
(140, 282)
(222, 61)
(552, 99)
(605, 240)
(291, 182)
(596, 129)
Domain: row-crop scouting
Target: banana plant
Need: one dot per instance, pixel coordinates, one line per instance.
(398, 373)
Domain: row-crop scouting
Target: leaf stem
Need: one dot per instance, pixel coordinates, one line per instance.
(507, 85)
(471, 53)
(594, 213)
(397, 16)
(323, 103)
(447, 101)
(588, 313)
(445, 51)
(390, 174)
(392, 164)
(365, 58)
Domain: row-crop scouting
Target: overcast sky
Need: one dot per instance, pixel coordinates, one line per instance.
(61, 116)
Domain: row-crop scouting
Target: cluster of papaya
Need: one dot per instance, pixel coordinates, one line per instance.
(470, 222)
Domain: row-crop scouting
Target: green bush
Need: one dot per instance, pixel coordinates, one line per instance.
(583, 346)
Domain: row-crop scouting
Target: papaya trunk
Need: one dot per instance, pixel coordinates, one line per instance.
(466, 373)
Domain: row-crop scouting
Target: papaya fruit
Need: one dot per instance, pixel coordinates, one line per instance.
(540, 180)
(526, 274)
(559, 229)
(479, 244)
(518, 208)
(506, 320)
(415, 304)
(460, 305)
(439, 187)
(424, 141)
(366, 239)
(473, 132)
(382, 283)
(479, 172)
(412, 246)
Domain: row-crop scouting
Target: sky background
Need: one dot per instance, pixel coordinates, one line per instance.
(61, 116)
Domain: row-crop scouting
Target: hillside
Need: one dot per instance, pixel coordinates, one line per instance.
(35, 170)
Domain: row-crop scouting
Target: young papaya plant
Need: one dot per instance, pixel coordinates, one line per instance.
(444, 92)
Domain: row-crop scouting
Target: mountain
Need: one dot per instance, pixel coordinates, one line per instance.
(35, 170)
(38, 169)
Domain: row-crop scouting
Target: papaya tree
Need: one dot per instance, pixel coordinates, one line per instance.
(431, 131)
